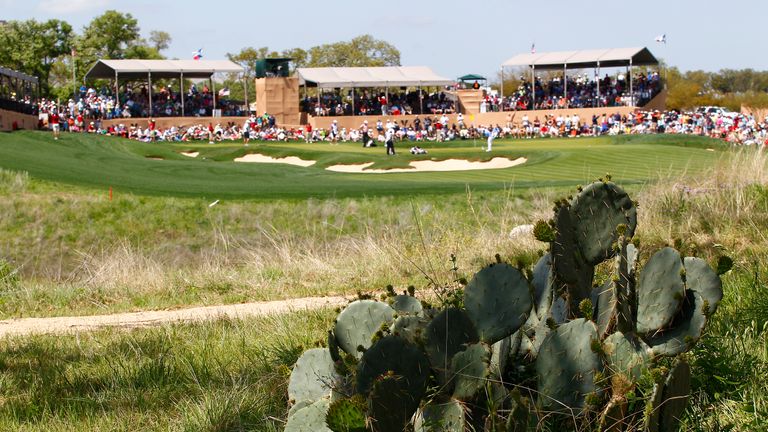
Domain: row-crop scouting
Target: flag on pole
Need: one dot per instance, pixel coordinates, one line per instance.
(533, 48)
(224, 92)
(662, 39)
(197, 55)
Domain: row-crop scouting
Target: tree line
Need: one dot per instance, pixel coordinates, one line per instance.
(47, 49)
(44, 49)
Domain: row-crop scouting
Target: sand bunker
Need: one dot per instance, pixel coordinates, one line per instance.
(432, 165)
(260, 158)
(191, 154)
(154, 157)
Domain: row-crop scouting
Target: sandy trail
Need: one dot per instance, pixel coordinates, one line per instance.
(60, 325)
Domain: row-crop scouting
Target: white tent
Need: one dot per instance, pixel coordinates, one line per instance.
(159, 69)
(388, 76)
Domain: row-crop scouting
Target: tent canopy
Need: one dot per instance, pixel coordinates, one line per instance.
(471, 77)
(161, 68)
(19, 75)
(387, 76)
(608, 57)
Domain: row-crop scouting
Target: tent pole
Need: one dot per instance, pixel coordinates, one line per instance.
(565, 85)
(149, 79)
(598, 84)
(501, 91)
(353, 101)
(421, 101)
(117, 91)
(245, 88)
(533, 87)
(631, 90)
(181, 87)
(387, 93)
(213, 93)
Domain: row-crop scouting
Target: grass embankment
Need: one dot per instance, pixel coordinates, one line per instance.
(103, 162)
(73, 251)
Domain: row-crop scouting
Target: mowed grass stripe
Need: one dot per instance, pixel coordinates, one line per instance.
(102, 162)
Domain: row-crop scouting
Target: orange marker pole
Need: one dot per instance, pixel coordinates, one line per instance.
(110, 193)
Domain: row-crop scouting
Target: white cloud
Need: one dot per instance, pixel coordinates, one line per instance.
(70, 6)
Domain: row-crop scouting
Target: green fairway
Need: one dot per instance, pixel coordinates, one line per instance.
(103, 162)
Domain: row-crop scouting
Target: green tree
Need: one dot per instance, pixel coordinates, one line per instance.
(160, 40)
(363, 50)
(33, 47)
(109, 35)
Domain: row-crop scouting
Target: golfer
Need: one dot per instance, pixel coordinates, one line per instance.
(492, 134)
(53, 121)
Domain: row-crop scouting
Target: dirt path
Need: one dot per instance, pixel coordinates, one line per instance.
(28, 326)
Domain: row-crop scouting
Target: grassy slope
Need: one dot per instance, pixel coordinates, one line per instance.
(79, 253)
(101, 162)
(230, 375)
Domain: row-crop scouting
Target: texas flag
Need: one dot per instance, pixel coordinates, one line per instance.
(197, 55)
(662, 39)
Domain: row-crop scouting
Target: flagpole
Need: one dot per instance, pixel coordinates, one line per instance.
(74, 79)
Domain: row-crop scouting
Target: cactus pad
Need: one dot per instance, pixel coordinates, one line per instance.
(660, 291)
(409, 327)
(346, 415)
(542, 285)
(394, 355)
(685, 330)
(677, 390)
(470, 369)
(406, 305)
(566, 365)
(595, 214)
(700, 277)
(358, 322)
(440, 417)
(626, 355)
(310, 418)
(448, 333)
(313, 376)
(390, 403)
(605, 312)
(498, 301)
(500, 352)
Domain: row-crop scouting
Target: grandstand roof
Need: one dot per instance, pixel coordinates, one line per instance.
(15, 74)
(161, 68)
(607, 57)
(386, 76)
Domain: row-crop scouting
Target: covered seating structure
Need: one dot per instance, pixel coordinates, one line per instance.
(370, 77)
(162, 69)
(14, 86)
(471, 78)
(595, 58)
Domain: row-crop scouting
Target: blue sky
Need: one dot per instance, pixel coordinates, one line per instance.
(452, 37)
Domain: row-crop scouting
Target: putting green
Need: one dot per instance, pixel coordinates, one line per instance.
(161, 169)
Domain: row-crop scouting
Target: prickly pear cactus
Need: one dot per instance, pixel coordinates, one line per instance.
(440, 417)
(358, 322)
(498, 301)
(576, 350)
(313, 376)
(347, 415)
(661, 290)
(567, 365)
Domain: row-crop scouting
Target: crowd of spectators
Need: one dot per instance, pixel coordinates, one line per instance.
(93, 104)
(368, 102)
(731, 127)
(580, 92)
